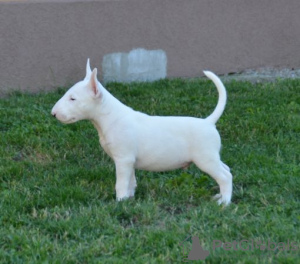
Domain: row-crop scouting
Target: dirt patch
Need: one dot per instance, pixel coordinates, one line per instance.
(263, 75)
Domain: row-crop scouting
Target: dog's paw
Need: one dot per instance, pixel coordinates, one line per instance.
(119, 199)
(131, 193)
(221, 200)
(129, 198)
(126, 195)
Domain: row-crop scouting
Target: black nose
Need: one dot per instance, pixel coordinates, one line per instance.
(54, 115)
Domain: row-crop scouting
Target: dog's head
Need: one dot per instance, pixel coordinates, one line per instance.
(80, 101)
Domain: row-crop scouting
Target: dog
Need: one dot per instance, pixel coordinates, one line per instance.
(135, 140)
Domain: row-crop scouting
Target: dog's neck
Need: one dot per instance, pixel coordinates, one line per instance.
(109, 110)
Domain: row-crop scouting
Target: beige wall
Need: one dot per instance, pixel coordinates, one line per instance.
(44, 44)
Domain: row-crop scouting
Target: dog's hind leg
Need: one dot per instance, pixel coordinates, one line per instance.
(221, 173)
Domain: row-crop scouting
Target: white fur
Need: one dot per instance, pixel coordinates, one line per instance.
(135, 140)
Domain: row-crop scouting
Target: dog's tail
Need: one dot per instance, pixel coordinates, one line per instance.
(216, 114)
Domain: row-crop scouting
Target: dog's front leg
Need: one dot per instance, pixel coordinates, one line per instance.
(126, 182)
(132, 184)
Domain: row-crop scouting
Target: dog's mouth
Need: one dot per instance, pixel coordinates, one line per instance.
(69, 121)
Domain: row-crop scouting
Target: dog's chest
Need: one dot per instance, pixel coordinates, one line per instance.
(104, 145)
(102, 139)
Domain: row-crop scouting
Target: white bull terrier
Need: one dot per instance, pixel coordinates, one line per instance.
(135, 140)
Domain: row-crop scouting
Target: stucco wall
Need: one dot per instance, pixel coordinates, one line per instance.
(44, 44)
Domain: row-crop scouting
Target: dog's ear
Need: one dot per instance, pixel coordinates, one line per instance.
(94, 85)
(88, 70)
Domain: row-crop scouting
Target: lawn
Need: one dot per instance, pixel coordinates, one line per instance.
(57, 198)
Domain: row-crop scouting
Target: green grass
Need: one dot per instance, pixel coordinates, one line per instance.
(57, 199)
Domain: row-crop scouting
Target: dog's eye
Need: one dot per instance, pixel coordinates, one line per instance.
(72, 99)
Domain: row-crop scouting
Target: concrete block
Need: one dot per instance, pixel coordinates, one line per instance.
(139, 65)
